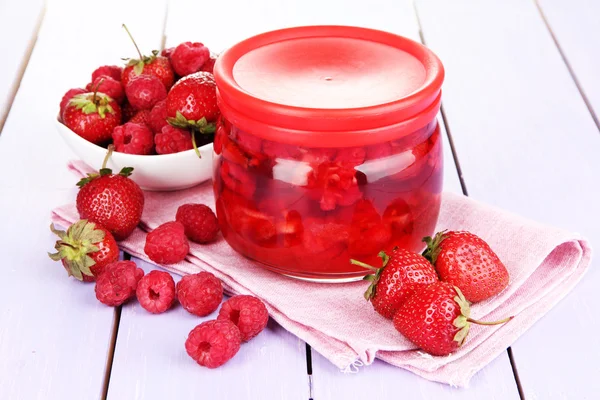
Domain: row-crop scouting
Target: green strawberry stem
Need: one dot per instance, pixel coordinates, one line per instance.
(194, 144)
(133, 40)
(502, 321)
(364, 265)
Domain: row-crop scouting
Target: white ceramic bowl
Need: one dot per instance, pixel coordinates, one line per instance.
(158, 172)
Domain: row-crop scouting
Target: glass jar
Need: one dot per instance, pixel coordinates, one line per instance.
(327, 149)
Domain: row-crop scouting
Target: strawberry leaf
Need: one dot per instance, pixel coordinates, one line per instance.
(139, 67)
(105, 171)
(126, 171)
(88, 179)
(433, 246)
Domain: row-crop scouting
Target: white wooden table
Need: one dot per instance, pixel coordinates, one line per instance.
(521, 104)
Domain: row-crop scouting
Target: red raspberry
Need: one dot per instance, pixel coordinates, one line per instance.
(127, 112)
(213, 343)
(158, 116)
(167, 244)
(113, 71)
(200, 294)
(248, 313)
(133, 138)
(67, 97)
(144, 91)
(107, 85)
(209, 65)
(156, 292)
(200, 222)
(118, 282)
(167, 52)
(173, 140)
(141, 117)
(189, 57)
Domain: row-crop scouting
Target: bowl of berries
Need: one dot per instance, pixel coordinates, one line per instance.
(157, 111)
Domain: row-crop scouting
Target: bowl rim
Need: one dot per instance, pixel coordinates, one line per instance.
(119, 154)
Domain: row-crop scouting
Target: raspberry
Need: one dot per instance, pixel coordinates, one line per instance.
(118, 282)
(167, 244)
(68, 96)
(127, 112)
(141, 117)
(200, 222)
(107, 85)
(248, 313)
(173, 140)
(144, 91)
(167, 52)
(189, 57)
(156, 292)
(133, 138)
(158, 116)
(213, 343)
(209, 65)
(200, 294)
(112, 71)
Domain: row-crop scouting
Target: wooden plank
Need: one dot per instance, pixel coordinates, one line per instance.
(272, 365)
(574, 25)
(54, 336)
(18, 28)
(526, 142)
(383, 14)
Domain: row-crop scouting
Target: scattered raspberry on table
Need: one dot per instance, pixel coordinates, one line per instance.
(200, 222)
(248, 313)
(213, 343)
(200, 294)
(156, 291)
(118, 283)
(167, 244)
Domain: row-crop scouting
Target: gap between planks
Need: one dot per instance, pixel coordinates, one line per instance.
(580, 89)
(21, 72)
(464, 187)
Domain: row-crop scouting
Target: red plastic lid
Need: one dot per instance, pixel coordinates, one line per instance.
(333, 81)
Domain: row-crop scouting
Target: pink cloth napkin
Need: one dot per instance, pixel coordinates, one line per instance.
(544, 263)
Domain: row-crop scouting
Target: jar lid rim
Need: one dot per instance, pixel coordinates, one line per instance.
(239, 100)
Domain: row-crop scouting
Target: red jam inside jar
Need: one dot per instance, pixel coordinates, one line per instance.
(328, 148)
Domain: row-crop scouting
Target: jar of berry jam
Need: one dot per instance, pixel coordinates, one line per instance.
(328, 148)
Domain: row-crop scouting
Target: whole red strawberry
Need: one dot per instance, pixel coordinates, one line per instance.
(437, 319)
(192, 102)
(112, 200)
(403, 273)
(467, 261)
(93, 116)
(85, 249)
(64, 102)
(155, 65)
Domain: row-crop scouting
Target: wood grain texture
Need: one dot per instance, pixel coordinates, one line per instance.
(575, 27)
(526, 142)
(18, 27)
(150, 361)
(54, 335)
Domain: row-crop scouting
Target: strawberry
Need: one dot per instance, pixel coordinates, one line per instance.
(112, 200)
(238, 179)
(467, 261)
(93, 116)
(192, 102)
(322, 235)
(437, 319)
(402, 274)
(85, 249)
(155, 65)
(333, 184)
